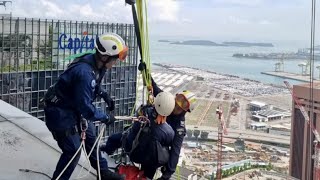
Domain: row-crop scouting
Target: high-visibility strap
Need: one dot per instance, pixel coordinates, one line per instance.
(141, 29)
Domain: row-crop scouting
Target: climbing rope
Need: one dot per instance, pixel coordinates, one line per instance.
(141, 28)
(82, 146)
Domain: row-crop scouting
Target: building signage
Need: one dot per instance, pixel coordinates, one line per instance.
(75, 43)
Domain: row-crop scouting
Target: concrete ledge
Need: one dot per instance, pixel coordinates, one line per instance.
(35, 128)
(28, 123)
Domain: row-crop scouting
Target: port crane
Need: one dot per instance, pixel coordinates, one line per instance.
(279, 66)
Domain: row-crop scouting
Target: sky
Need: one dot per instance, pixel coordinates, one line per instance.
(217, 20)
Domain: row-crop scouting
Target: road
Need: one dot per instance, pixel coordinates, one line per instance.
(245, 134)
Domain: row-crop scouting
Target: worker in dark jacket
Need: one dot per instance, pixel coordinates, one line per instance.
(147, 145)
(185, 102)
(70, 100)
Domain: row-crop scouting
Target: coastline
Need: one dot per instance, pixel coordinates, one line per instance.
(172, 66)
(226, 83)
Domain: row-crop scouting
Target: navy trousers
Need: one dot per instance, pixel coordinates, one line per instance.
(113, 143)
(69, 145)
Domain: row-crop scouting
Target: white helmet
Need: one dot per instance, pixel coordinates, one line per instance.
(111, 44)
(164, 103)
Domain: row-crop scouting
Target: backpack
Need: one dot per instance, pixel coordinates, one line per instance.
(145, 141)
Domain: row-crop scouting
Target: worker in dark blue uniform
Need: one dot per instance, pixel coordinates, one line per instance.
(70, 100)
(147, 145)
(185, 102)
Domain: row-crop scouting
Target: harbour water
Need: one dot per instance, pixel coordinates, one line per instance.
(220, 60)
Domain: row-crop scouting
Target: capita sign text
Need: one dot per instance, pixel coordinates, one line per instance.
(75, 44)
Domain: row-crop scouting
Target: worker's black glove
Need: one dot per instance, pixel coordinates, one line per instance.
(142, 66)
(108, 100)
(110, 119)
(165, 174)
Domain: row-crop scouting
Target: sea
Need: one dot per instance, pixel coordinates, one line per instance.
(219, 59)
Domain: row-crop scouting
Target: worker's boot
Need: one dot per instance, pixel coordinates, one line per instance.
(109, 175)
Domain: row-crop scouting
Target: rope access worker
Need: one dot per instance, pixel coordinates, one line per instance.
(185, 102)
(147, 145)
(70, 99)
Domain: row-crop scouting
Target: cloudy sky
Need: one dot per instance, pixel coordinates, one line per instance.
(256, 20)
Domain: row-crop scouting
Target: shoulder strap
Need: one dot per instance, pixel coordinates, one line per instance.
(84, 59)
(136, 139)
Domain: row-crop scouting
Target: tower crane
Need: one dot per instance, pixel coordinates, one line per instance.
(221, 130)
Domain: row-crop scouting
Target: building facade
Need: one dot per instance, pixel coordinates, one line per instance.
(34, 52)
(301, 162)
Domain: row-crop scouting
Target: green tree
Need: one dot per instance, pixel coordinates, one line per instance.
(234, 169)
(204, 135)
(189, 133)
(196, 133)
(228, 172)
(269, 166)
(245, 166)
(223, 174)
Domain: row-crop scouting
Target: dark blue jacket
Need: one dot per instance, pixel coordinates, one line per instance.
(177, 122)
(77, 89)
(163, 133)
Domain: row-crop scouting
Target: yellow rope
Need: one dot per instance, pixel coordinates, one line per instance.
(143, 26)
(142, 16)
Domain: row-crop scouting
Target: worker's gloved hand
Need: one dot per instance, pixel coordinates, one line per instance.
(165, 174)
(105, 96)
(110, 119)
(142, 66)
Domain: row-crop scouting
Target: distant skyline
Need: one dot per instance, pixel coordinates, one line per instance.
(216, 20)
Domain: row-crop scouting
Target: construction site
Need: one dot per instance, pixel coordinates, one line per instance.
(238, 99)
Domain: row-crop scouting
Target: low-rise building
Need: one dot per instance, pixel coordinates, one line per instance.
(258, 126)
(267, 115)
(257, 106)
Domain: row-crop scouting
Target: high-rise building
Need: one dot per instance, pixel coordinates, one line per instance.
(302, 147)
(34, 52)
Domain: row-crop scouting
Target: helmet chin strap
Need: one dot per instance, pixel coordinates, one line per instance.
(103, 62)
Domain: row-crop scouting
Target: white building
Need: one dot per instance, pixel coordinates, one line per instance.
(257, 106)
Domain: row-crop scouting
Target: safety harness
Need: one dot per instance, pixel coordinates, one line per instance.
(55, 98)
(144, 139)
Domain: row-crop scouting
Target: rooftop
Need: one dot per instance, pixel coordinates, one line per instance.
(258, 124)
(279, 126)
(270, 113)
(257, 103)
(315, 85)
